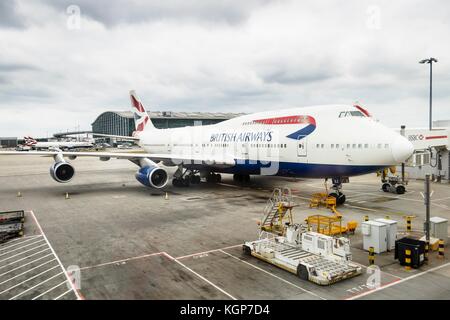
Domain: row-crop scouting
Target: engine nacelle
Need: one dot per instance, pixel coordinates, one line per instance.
(152, 176)
(62, 171)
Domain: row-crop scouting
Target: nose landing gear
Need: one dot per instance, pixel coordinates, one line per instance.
(336, 189)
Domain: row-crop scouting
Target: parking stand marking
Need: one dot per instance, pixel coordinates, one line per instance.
(279, 278)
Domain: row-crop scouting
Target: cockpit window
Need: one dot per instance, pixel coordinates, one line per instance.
(343, 114)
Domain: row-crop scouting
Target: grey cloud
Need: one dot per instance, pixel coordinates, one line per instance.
(12, 67)
(112, 13)
(293, 77)
(9, 17)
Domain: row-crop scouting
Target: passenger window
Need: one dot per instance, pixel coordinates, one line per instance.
(386, 145)
(366, 145)
(354, 146)
(359, 145)
(337, 146)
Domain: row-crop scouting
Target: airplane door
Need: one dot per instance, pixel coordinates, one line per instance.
(301, 146)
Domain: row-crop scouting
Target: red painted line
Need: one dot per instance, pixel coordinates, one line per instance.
(435, 137)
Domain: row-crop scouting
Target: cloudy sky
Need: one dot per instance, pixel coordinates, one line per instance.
(60, 69)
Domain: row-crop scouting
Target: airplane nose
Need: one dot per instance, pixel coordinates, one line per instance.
(402, 149)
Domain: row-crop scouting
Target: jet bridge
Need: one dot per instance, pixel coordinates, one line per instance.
(431, 155)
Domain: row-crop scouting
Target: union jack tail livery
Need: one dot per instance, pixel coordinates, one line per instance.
(141, 118)
(29, 141)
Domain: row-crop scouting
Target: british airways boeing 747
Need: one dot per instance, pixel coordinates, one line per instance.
(332, 141)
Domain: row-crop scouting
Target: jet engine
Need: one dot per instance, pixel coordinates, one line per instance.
(152, 176)
(62, 171)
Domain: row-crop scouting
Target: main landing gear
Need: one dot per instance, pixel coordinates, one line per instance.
(336, 190)
(188, 177)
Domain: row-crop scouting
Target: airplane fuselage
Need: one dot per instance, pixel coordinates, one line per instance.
(312, 142)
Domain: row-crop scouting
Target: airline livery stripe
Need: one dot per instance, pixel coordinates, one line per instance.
(435, 137)
(288, 120)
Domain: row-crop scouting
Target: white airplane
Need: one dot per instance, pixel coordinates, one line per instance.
(32, 143)
(333, 141)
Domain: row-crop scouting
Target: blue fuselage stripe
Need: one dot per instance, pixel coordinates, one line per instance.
(296, 169)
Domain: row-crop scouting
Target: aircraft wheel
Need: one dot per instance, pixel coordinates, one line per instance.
(247, 250)
(236, 177)
(185, 182)
(400, 189)
(340, 199)
(176, 182)
(218, 178)
(386, 187)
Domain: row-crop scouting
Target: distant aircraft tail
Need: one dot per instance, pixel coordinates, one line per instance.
(29, 141)
(141, 117)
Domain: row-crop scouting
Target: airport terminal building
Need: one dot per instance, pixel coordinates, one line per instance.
(122, 122)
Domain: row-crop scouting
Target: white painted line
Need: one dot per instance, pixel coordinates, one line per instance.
(24, 258)
(25, 272)
(122, 260)
(229, 185)
(37, 285)
(19, 243)
(361, 208)
(27, 245)
(33, 277)
(270, 274)
(56, 256)
(19, 254)
(398, 282)
(200, 276)
(49, 290)
(209, 251)
(20, 238)
(9, 271)
(61, 295)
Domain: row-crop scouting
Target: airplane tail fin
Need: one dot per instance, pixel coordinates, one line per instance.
(141, 117)
(29, 141)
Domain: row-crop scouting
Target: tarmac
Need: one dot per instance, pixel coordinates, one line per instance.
(122, 240)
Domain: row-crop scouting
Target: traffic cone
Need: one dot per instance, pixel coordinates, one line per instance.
(19, 194)
(166, 196)
(67, 195)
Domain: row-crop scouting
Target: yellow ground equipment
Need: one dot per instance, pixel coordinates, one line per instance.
(277, 211)
(329, 226)
(322, 198)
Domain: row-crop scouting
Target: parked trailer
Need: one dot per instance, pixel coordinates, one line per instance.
(312, 256)
(12, 216)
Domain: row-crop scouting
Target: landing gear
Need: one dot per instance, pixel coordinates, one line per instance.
(213, 178)
(241, 178)
(186, 178)
(337, 187)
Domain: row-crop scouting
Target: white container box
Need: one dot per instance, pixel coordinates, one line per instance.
(439, 228)
(391, 232)
(374, 235)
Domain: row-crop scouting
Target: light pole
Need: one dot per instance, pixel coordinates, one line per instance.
(430, 61)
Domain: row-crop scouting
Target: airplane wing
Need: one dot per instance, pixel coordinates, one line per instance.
(167, 159)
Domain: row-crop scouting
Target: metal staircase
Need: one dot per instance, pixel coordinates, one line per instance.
(278, 206)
